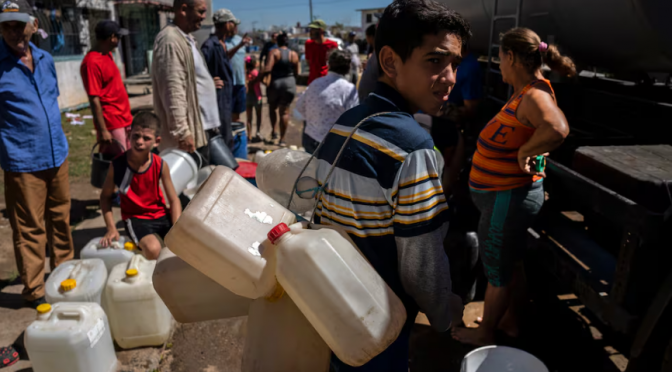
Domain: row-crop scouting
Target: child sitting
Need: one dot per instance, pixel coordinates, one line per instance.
(136, 173)
(253, 96)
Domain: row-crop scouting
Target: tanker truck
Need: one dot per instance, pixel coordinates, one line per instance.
(602, 230)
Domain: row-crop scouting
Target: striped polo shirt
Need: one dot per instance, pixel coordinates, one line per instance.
(386, 183)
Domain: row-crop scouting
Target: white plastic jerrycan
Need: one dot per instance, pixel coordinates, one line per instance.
(338, 291)
(222, 233)
(138, 316)
(190, 295)
(280, 339)
(119, 252)
(77, 281)
(70, 337)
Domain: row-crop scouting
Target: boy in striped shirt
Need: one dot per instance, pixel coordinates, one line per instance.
(385, 190)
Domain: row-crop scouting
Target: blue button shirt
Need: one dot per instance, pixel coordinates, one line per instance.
(469, 81)
(31, 136)
(238, 60)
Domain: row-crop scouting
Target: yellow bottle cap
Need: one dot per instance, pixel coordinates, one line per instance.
(268, 151)
(43, 309)
(131, 272)
(68, 284)
(129, 246)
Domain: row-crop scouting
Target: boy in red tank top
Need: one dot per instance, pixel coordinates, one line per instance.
(137, 173)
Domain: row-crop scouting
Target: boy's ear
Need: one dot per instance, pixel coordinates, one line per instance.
(157, 141)
(388, 59)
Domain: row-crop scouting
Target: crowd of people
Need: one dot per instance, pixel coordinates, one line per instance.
(391, 191)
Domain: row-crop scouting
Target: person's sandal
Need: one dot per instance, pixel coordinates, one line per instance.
(8, 356)
(282, 144)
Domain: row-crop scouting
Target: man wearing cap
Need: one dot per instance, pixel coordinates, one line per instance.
(353, 48)
(185, 96)
(107, 94)
(218, 61)
(33, 151)
(234, 45)
(317, 49)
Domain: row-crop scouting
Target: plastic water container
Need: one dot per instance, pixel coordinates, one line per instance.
(222, 233)
(202, 175)
(183, 168)
(277, 172)
(118, 252)
(190, 295)
(138, 316)
(70, 337)
(338, 291)
(501, 358)
(280, 339)
(77, 281)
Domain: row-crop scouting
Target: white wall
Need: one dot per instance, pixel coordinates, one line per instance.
(70, 82)
(374, 20)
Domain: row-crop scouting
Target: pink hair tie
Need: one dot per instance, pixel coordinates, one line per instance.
(248, 59)
(543, 47)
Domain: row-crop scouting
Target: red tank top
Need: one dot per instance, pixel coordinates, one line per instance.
(495, 162)
(140, 193)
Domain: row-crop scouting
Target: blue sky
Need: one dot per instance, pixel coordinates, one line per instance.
(288, 12)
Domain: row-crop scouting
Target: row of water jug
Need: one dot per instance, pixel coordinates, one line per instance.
(248, 244)
(74, 322)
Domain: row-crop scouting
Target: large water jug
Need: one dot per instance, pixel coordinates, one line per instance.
(222, 233)
(280, 339)
(70, 337)
(338, 291)
(138, 316)
(77, 281)
(190, 295)
(119, 252)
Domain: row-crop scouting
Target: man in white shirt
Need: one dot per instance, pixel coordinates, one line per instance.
(356, 65)
(326, 99)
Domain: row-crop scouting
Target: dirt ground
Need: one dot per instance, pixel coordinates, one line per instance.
(558, 329)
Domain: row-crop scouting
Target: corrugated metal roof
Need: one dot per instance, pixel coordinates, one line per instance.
(160, 3)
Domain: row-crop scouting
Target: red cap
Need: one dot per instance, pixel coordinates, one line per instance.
(277, 232)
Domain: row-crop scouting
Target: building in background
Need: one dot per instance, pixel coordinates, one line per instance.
(143, 19)
(370, 16)
(69, 34)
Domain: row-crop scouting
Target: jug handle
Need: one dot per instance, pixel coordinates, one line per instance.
(331, 170)
(75, 272)
(134, 263)
(78, 313)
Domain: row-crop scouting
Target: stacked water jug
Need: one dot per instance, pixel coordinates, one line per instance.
(307, 290)
(86, 308)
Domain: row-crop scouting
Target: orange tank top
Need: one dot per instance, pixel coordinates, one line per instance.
(495, 163)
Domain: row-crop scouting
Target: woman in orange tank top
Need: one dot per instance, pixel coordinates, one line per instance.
(505, 184)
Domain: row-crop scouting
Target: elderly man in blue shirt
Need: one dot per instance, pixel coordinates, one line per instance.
(33, 151)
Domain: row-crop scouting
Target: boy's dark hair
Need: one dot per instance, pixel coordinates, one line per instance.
(371, 30)
(405, 23)
(147, 120)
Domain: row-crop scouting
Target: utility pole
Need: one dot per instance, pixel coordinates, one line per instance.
(310, 2)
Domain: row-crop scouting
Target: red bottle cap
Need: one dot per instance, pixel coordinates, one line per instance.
(277, 232)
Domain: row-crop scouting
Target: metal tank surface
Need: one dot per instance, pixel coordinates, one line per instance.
(617, 35)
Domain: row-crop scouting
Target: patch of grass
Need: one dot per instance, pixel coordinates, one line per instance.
(81, 139)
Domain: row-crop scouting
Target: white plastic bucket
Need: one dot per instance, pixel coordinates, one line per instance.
(501, 359)
(183, 168)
